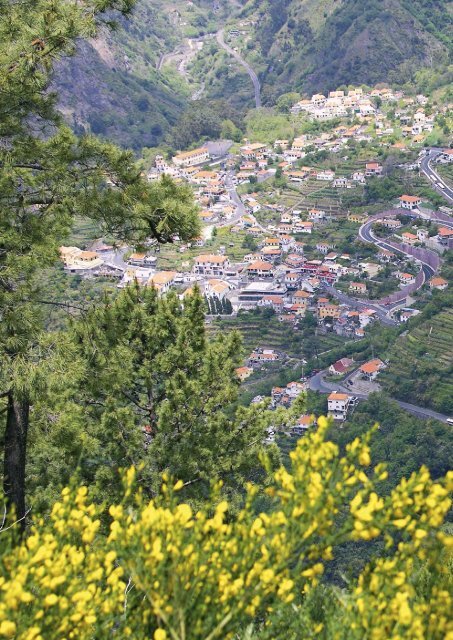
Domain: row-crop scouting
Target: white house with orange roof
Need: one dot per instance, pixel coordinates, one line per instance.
(447, 156)
(213, 265)
(243, 373)
(438, 283)
(338, 405)
(445, 235)
(162, 281)
(78, 261)
(316, 215)
(260, 268)
(276, 302)
(358, 287)
(192, 158)
(409, 238)
(410, 202)
(405, 278)
(217, 288)
(303, 226)
(301, 297)
(264, 356)
(371, 368)
(373, 169)
(303, 424)
(273, 243)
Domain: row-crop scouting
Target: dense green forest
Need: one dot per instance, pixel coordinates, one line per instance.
(353, 42)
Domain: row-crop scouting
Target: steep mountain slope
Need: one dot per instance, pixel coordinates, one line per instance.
(115, 85)
(122, 85)
(317, 46)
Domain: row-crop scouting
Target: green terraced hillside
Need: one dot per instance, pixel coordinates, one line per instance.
(421, 364)
(258, 330)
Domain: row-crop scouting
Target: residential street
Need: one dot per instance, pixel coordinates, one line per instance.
(318, 383)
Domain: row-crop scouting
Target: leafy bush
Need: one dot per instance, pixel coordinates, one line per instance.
(163, 571)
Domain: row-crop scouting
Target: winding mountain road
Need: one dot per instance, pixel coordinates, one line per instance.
(317, 383)
(437, 182)
(247, 67)
(429, 261)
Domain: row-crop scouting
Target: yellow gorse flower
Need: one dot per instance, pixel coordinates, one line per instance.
(163, 568)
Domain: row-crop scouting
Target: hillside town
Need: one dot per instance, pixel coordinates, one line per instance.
(257, 251)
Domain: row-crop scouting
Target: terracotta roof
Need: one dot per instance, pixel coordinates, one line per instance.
(260, 264)
(211, 259)
(87, 255)
(338, 396)
(190, 154)
(162, 277)
(410, 198)
(372, 366)
(275, 299)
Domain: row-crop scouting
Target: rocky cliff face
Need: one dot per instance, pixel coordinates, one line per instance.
(112, 86)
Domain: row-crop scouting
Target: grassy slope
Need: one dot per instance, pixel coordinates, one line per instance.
(421, 364)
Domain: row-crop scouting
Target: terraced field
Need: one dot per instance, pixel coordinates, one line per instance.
(259, 331)
(421, 364)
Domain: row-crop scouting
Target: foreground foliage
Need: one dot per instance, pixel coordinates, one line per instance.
(164, 571)
(145, 388)
(48, 175)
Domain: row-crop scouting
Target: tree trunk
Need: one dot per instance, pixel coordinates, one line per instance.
(17, 419)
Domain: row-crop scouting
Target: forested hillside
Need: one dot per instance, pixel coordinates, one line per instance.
(115, 86)
(318, 46)
(118, 87)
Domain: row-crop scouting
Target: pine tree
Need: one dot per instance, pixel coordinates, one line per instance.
(151, 389)
(228, 306)
(47, 175)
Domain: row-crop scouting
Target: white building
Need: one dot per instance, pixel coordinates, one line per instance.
(212, 265)
(338, 405)
(192, 158)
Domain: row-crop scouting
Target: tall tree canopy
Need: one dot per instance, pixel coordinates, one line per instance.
(47, 175)
(147, 388)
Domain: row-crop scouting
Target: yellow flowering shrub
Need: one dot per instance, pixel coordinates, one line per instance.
(164, 571)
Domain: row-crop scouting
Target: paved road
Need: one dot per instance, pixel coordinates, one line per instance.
(317, 383)
(247, 67)
(343, 298)
(437, 182)
(366, 235)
